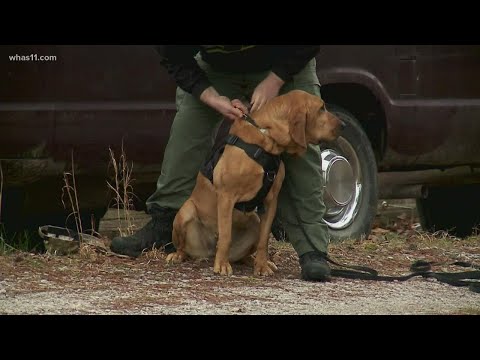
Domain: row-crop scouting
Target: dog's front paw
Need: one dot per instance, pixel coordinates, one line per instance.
(222, 267)
(176, 257)
(265, 268)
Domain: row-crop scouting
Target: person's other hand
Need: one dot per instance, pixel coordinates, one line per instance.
(222, 104)
(266, 90)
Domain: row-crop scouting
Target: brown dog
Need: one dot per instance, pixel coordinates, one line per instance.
(207, 225)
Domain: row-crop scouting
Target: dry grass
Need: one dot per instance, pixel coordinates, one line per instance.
(123, 190)
(155, 254)
(88, 253)
(70, 188)
(393, 247)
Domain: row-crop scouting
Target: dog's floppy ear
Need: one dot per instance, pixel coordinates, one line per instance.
(298, 127)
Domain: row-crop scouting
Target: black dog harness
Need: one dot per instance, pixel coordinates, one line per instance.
(269, 162)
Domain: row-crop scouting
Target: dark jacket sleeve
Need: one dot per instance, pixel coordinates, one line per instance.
(181, 65)
(293, 58)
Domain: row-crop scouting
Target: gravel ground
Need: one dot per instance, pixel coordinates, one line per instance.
(279, 297)
(94, 283)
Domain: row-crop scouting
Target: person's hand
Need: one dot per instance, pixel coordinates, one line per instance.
(222, 104)
(266, 90)
(240, 105)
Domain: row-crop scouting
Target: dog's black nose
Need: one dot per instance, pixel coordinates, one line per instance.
(343, 124)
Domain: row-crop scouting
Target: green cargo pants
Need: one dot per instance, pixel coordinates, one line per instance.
(191, 140)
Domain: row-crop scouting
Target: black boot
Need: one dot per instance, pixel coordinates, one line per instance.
(156, 233)
(314, 267)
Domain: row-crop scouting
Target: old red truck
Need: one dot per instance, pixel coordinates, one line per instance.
(413, 113)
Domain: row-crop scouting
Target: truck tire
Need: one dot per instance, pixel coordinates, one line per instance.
(350, 174)
(455, 209)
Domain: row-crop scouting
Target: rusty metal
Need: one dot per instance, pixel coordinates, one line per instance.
(403, 192)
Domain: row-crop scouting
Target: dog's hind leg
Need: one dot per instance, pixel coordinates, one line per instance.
(248, 260)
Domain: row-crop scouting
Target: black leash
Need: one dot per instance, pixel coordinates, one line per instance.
(465, 278)
(418, 268)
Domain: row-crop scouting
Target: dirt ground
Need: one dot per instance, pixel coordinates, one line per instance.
(94, 283)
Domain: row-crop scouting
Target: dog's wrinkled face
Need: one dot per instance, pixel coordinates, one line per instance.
(297, 119)
(322, 125)
(309, 121)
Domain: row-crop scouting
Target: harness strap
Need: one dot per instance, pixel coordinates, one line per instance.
(257, 201)
(211, 161)
(266, 160)
(269, 162)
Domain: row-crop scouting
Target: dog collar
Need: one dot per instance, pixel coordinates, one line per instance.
(250, 120)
